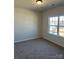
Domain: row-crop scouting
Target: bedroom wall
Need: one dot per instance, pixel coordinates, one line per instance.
(30, 24)
(58, 11)
(27, 24)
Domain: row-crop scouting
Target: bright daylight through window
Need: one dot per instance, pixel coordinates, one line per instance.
(56, 25)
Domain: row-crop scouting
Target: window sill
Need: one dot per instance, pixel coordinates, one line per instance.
(56, 35)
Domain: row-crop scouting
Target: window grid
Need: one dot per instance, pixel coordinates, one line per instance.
(59, 24)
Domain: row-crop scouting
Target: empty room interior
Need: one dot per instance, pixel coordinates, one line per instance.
(38, 29)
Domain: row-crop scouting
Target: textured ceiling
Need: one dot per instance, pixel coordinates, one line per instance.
(31, 4)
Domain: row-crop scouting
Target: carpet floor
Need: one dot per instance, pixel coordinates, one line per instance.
(37, 49)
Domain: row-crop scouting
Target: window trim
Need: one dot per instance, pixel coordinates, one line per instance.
(58, 26)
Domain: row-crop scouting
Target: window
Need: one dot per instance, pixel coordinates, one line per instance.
(61, 26)
(56, 25)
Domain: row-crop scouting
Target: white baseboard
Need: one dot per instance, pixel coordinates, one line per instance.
(26, 40)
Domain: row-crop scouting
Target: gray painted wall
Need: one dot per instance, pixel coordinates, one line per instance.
(52, 12)
(27, 24)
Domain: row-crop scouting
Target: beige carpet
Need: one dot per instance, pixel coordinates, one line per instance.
(38, 49)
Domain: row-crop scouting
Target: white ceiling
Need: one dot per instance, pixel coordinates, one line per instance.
(31, 4)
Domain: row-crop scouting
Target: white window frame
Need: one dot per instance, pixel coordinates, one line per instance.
(54, 25)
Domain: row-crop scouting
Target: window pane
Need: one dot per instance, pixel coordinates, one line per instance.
(53, 21)
(61, 21)
(61, 31)
(53, 30)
